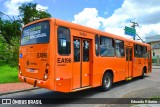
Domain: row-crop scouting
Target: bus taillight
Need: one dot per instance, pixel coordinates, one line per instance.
(46, 72)
(20, 72)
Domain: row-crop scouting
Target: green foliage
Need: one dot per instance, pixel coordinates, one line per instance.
(155, 98)
(29, 13)
(9, 41)
(8, 74)
(43, 14)
(2, 47)
(10, 29)
(9, 53)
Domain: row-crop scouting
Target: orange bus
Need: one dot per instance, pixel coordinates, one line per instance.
(67, 57)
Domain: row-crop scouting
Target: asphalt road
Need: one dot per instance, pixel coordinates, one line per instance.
(143, 88)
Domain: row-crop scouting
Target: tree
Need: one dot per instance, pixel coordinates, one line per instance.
(43, 14)
(29, 13)
(10, 29)
(9, 41)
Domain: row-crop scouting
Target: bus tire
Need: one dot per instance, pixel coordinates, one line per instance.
(142, 76)
(107, 81)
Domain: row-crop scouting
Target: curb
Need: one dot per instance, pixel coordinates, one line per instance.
(155, 68)
(18, 91)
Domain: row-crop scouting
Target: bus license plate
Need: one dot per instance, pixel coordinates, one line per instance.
(31, 70)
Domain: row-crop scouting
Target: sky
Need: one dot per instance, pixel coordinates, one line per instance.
(106, 15)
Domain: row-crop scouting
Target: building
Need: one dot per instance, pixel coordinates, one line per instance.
(154, 41)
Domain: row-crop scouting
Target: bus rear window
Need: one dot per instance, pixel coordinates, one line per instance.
(36, 33)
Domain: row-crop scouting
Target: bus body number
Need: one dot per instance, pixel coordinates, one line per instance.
(41, 55)
(64, 60)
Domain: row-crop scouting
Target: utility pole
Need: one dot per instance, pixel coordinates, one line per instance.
(134, 24)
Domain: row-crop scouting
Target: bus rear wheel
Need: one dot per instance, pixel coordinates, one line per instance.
(107, 82)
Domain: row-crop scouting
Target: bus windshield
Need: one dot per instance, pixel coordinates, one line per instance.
(36, 33)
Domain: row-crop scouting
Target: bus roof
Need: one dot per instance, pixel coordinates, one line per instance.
(86, 29)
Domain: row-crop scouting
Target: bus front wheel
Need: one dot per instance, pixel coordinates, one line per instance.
(107, 81)
(142, 76)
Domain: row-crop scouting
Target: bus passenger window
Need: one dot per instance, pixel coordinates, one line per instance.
(106, 46)
(135, 51)
(144, 51)
(119, 48)
(76, 50)
(97, 45)
(85, 50)
(138, 51)
(63, 41)
(128, 54)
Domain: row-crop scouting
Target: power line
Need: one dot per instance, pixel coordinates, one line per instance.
(6, 15)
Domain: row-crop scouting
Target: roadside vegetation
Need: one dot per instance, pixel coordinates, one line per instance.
(10, 31)
(8, 74)
(155, 98)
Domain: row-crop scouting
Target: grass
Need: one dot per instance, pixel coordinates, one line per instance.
(155, 98)
(8, 74)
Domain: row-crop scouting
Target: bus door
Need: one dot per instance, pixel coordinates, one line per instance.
(81, 63)
(129, 64)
